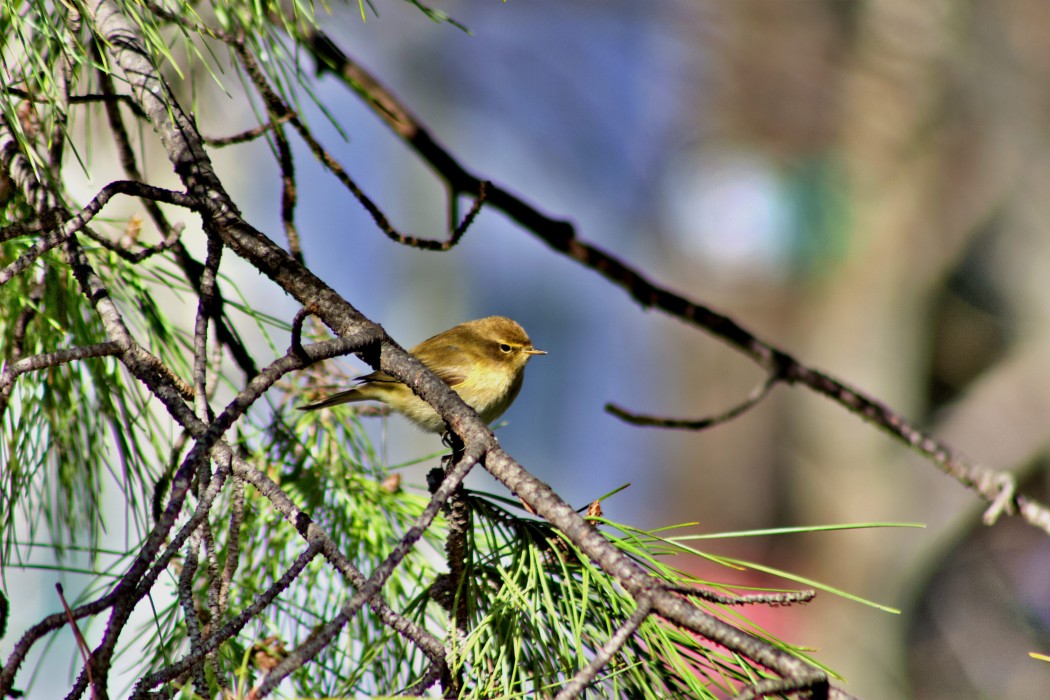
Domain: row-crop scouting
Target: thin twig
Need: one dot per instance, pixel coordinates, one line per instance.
(757, 394)
(460, 525)
(211, 556)
(16, 346)
(27, 227)
(297, 329)
(277, 107)
(54, 359)
(586, 675)
(63, 76)
(189, 610)
(233, 547)
(147, 251)
(771, 599)
(162, 12)
(249, 134)
(62, 232)
(205, 309)
(82, 645)
(289, 194)
(82, 99)
(818, 689)
(190, 267)
(452, 590)
(432, 676)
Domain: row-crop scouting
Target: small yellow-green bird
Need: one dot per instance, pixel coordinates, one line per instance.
(483, 360)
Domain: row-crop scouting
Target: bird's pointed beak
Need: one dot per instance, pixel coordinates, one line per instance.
(534, 351)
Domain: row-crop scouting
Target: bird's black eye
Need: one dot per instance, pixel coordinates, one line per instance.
(504, 347)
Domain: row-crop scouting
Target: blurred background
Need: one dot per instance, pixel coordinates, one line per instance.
(863, 184)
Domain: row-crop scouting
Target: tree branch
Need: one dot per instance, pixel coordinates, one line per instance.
(754, 398)
(190, 267)
(53, 359)
(277, 107)
(74, 224)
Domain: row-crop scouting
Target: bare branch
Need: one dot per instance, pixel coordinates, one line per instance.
(83, 99)
(16, 346)
(205, 308)
(772, 599)
(297, 329)
(189, 611)
(277, 107)
(168, 243)
(76, 223)
(249, 134)
(460, 525)
(54, 359)
(29, 227)
(192, 268)
(63, 76)
(233, 549)
(289, 195)
(757, 394)
(432, 676)
(46, 626)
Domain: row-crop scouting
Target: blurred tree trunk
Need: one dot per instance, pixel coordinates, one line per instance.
(923, 110)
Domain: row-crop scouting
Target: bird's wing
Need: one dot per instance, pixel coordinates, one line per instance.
(450, 375)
